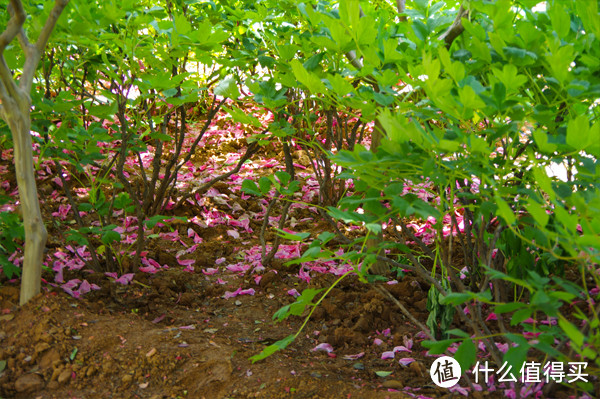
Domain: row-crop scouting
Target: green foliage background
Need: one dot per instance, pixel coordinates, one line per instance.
(476, 120)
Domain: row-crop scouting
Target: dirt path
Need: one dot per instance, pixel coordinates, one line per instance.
(179, 339)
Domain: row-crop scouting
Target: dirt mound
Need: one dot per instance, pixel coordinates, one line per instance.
(171, 335)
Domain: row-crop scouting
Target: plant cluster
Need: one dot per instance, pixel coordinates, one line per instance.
(435, 127)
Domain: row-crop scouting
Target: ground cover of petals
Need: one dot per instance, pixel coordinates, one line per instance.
(202, 302)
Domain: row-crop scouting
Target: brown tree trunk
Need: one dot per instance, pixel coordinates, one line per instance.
(35, 231)
(15, 104)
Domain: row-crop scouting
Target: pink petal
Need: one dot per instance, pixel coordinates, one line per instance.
(387, 355)
(491, 316)
(233, 233)
(377, 341)
(125, 279)
(405, 361)
(186, 262)
(323, 347)
(190, 327)
(210, 271)
(85, 287)
(401, 348)
(293, 292)
(238, 267)
(354, 357)
(148, 269)
(229, 294)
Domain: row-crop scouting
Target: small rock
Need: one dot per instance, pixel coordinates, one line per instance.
(49, 359)
(90, 371)
(421, 305)
(127, 378)
(52, 385)
(393, 384)
(29, 383)
(187, 299)
(64, 376)
(418, 368)
(55, 373)
(41, 347)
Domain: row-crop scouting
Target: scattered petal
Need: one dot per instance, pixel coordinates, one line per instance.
(323, 347)
(405, 361)
(354, 357)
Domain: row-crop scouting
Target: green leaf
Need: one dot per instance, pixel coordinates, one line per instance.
(578, 132)
(325, 236)
(541, 139)
(520, 315)
(283, 177)
(588, 12)
(293, 237)
(227, 88)
(8, 268)
(383, 374)
(122, 201)
(438, 347)
(560, 18)
(504, 211)
(154, 220)
(265, 185)
(508, 307)
(110, 236)
(516, 356)
(277, 346)
(544, 182)
(538, 212)
(466, 354)
(509, 77)
(458, 333)
(308, 79)
(340, 85)
(572, 332)
(242, 117)
(457, 298)
(73, 354)
(250, 187)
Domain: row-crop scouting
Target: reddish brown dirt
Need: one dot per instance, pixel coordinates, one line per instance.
(175, 337)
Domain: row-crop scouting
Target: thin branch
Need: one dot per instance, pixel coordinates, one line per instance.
(250, 151)
(456, 28)
(401, 6)
(9, 88)
(17, 19)
(35, 52)
(405, 311)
